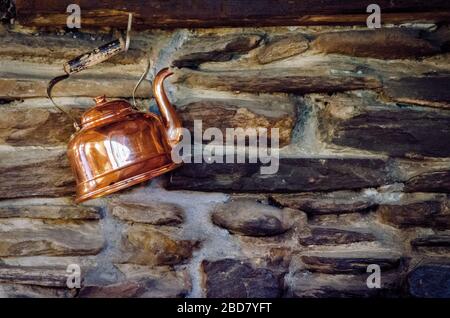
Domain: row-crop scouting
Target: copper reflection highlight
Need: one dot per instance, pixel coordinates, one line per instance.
(118, 147)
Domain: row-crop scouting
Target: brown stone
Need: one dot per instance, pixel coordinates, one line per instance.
(28, 237)
(335, 236)
(433, 181)
(230, 114)
(299, 81)
(362, 121)
(324, 203)
(35, 172)
(386, 43)
(118, 290)
(155, 213)
(294, 175)
(36, 126)
(282, 47)
(429, 90)
(158, 285)
(349, 262)
(214, 48)
(441, 37)
(159, 282)
(230, 278)
(420, 214)
(49, 211)
(247, 217)
(147, 245)
(20, 86)
(49, 277)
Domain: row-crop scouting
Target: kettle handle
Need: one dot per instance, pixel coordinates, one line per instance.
(172, 122)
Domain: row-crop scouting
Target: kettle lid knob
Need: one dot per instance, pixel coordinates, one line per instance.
(100, 99)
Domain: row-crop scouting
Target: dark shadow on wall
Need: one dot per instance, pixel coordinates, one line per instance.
(7, 10)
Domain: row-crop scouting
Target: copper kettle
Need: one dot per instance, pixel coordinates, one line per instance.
(118, 146)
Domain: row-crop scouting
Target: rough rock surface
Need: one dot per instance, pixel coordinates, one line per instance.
(363, 178)
(35, 172)
(305, 284)
(282, 47)
(438, 243)
(293, 175)
(148, 245)
(421, 214)
(142, 282)
(430, 281)
(237, 279)
(333, 236)
(324, 203)
(247, 217)
(229, 114)
(388, 128)
(386, 43)
(49, 277)
(156, 213)
(49, 211)
(214, 48)
(25, 237)
(344, 263)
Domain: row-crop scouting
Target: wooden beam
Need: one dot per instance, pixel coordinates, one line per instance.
(217, 13)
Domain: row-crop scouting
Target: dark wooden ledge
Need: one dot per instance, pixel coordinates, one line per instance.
(216, 13)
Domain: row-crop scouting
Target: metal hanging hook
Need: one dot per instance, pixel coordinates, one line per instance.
(52, 83)
(89, 59)
(144, 74)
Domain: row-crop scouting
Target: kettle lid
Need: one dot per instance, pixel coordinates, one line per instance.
(104, 110)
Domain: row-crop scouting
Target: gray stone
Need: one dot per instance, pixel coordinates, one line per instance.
(31, 291)
(296, 81)
(49, 211)
(40, 276)
(282, 47)
(304, 284)
(324, 203)
(248, 217)
(158, 282)
(156, 213)
(27, 237)
(36, 126)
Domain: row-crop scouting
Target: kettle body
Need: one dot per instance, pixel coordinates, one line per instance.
(118, 147)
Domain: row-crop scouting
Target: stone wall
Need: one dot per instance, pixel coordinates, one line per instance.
(364, 178)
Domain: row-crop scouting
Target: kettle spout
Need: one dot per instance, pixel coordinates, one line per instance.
(172, 122)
